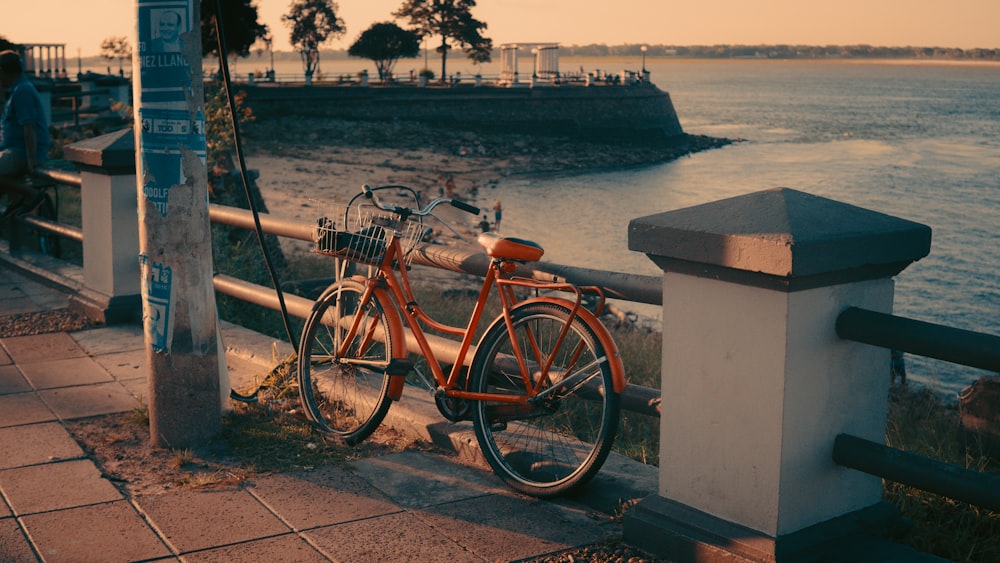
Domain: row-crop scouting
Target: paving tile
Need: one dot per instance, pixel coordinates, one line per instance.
(69, 403)
(328, 495)
(416, 479)
(198, 520)
(14, 547)
(509, 528)
(36, 443)
(4, 358)
(124, 366)
(111, 531)
(10, 290)
(395, 537)
(139, 389)
(50, 374)
(54, 486)
(17, 306)
(53, 346)
(11, 380)
(24, 408)
(45, 298)
(4, 511)
(112, 339)
(288, 547)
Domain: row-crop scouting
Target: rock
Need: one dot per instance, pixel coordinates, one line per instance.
(979, 412)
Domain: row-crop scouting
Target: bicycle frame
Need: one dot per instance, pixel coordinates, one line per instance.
(386, 284)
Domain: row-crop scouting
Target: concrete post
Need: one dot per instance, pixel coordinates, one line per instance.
(755, 382)
(186, 369)
(111, 292)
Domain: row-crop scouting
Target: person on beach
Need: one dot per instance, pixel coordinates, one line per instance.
(484, 225)
(497, 215)
(24, 136)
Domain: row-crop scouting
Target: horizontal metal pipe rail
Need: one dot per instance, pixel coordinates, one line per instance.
(952, 481)
(63, 230)
(638, 399)
(941, 342)
(467, 260)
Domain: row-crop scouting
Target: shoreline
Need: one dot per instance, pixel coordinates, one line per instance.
(300, 160)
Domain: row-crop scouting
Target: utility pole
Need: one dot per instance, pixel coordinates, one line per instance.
(186, 371)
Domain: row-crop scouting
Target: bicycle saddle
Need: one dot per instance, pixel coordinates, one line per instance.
(509, 248)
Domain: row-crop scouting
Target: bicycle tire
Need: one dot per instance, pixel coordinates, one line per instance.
(342, 398)
(556, 445)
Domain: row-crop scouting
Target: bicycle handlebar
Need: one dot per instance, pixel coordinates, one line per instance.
(369, 192)
(465, 206)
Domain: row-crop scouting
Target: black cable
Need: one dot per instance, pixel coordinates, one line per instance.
(224, 63)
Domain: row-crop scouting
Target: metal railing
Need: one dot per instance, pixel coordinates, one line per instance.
(933, 341)
(627, 287)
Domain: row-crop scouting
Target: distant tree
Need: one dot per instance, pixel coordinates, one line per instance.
(239, 23)
(453, 21)
(6, 45)
(385, 43)
(313, 22)
(116, 48)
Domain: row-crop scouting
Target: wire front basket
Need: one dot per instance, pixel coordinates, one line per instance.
(361, 233)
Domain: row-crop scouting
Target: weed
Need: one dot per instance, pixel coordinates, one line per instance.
(139, 414)
(182, 458)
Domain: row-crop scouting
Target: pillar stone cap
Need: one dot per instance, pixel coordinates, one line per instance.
(792, 239)
(112, 152)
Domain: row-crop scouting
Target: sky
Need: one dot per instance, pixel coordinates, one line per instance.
(895, 23)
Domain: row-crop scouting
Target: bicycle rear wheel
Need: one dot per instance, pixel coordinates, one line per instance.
(558, 441)
(345, 396)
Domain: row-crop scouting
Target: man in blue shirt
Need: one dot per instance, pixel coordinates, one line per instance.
(24, 136)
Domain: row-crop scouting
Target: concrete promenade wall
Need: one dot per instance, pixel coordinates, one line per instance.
(634, 111)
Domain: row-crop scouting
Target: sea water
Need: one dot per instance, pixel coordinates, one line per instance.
(917, 141)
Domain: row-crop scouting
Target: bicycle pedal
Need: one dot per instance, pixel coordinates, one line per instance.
(399, 367)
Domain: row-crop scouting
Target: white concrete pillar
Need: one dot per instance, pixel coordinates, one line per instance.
(112, 284)
(755, 382)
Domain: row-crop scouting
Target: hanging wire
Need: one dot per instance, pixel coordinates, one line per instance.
(238, 141)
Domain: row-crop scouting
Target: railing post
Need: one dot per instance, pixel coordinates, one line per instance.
(755, 383)
(110, 228)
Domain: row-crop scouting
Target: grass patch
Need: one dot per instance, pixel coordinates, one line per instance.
(921, 422)
(272, 435)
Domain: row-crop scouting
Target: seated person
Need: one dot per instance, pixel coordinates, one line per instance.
(24, 136)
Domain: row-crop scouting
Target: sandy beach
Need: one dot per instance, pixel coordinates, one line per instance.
(301, 161)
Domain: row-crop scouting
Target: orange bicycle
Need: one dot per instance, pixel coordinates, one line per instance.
(544, 382)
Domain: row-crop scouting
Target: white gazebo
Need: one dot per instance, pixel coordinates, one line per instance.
(544, 63)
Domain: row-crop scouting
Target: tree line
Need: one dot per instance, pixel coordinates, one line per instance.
(781, 52)
(314, 22)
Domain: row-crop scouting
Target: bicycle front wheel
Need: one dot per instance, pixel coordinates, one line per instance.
(558, 440)
(345, 396)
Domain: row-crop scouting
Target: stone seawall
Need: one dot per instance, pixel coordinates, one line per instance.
(640, 111)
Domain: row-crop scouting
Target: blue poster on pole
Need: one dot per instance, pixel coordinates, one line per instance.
(158, 282)
(168, 128)
(165, 134)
